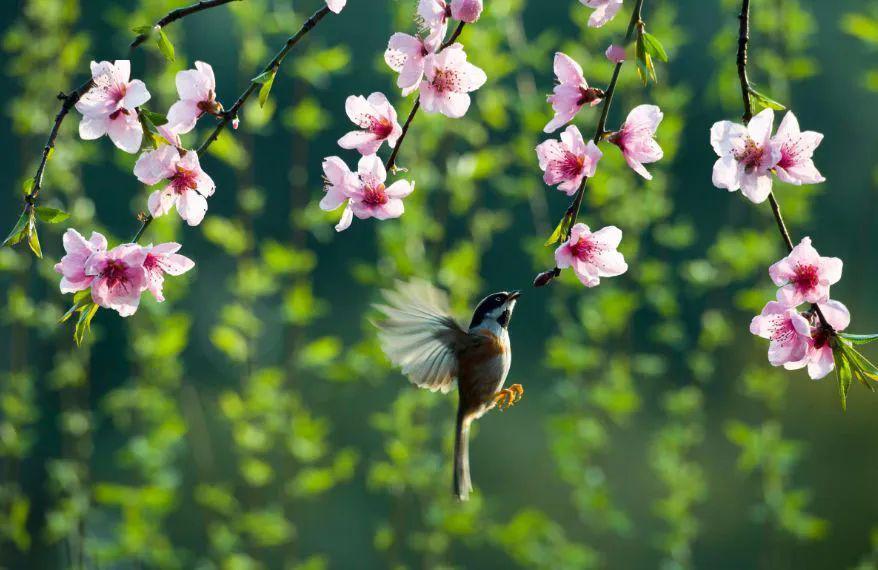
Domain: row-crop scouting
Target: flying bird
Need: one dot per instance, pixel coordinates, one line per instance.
(419, 335)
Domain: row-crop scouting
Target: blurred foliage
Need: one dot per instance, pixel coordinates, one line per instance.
(251, 421)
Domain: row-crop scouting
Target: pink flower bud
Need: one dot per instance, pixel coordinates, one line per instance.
(235, 122)
(615, 53)
(466, 10)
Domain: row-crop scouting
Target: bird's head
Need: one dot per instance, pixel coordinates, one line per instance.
(495, 310)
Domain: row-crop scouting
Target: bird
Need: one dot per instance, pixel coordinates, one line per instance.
(419, 335)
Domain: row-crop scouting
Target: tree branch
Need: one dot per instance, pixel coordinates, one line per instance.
(232, 112)
(746, 90)
(600, 130)
(391, 160)
(179, 14)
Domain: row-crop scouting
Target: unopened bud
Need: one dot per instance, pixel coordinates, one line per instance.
(466, 10)
(546, 277)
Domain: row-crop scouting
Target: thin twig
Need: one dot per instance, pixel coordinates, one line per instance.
(69, 100)
(232, 112)
(178, 14)
(391, 160)
(600, 131)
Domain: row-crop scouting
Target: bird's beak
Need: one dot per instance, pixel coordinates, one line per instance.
(513, 295)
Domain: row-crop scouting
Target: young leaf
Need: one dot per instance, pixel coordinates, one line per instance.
(859, 338)
(165, 45)
(863, 364)
(143, 30)
(765, 101)
(560, 231)
(80, 299)
(654, 47)
(264, 76)
(156, 119)
(266, 88)
(83, 325)
(18, 232)
(51, 215)
(843, 375)
(27, 185)
(645, 68)
(33, 240)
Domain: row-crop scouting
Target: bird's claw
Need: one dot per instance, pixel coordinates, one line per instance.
(508, 397)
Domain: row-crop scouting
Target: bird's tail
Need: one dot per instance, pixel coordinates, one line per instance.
(462, 483)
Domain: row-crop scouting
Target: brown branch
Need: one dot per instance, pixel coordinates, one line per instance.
(68, 102)
(746, 90)
(391, 160)
(573, 209)
(232, 112)
(179, 14)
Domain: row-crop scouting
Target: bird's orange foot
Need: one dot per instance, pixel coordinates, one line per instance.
(506, 398)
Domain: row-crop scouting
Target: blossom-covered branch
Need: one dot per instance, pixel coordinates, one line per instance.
(116, 278)
(748, 157)
(178, 14)
(570, 163)
(26, 225)
(429, 64)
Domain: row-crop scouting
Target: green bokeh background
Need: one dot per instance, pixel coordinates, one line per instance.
(251, 421)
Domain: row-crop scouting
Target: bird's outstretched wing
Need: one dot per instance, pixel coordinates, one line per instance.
(419, 335)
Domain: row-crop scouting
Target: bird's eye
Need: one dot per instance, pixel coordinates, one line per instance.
(498, 298)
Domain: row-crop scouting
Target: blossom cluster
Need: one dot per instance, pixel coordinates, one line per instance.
(117, 277)
(569, 161)
(749, 155)
(443, 79)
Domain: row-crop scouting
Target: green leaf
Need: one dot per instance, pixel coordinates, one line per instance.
(143, 30)
(33, 240)
(560, 231)
(859, 338)
(843, 374)
(18, 232)
(165, 45)
(654, 47)
(863, 364)
(83, 325)
(264, 76)
(765, 101)
(156, 119)
(27, 185)
(51, 215)
(645, 68)
(80, 299)
(266, 87)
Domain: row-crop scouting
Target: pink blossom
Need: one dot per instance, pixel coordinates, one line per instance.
(405, 54)
(592, 255)
(188, 185)
(110, 106)
(119, 278)
(363, 191)
(746, 156)
(336, 5)
(571, 93)
(72, 265)
(804, 276)
(377, 117)
(568, 161)
(160, 260)
(197, 91)
(435, 15)
(466, 10)
(788, 331)
(615, 53)
(636, 138)
(795, 165)
(604, 11)
(449, 78)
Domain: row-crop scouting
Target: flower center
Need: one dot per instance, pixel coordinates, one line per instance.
(583, 249)
(209, 105)
(782, 330)
(381, 128)
(117, 92)
(183, 180)
(751, 155)
(588, 95)
(446, 80)
(569, 167)
(375, 195)
(114, 273)
(806, 277)
(115, 114)
(789, 156)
